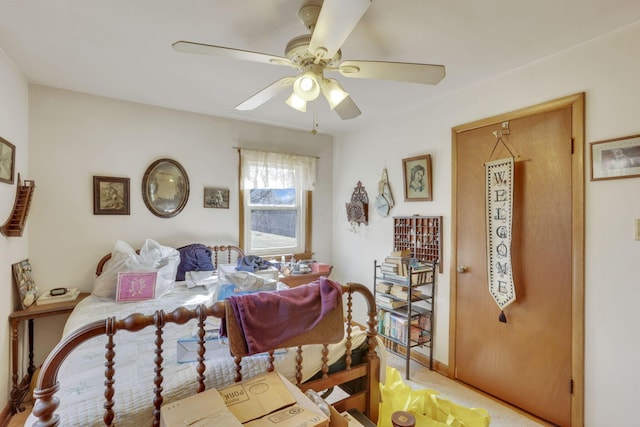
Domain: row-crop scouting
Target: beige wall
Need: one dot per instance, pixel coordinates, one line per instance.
(13, 128)
(607, 70)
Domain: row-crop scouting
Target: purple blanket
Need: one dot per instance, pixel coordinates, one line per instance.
(270, 318)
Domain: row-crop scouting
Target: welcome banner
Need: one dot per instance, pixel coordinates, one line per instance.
(499, 189)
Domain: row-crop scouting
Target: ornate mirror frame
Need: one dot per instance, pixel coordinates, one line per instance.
(165, 188)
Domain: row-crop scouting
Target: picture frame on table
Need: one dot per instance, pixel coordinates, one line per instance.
(216, 197)
(25, 285)
(111, 195)
(416, 172)
(615, 158)
(7, 161)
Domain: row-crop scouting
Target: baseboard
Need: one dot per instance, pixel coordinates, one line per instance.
(423, 359)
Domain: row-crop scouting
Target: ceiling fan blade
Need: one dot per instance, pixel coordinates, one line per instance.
(347, 109)
(399, 71)
(336, 21)
(265, 94)
(227, 52)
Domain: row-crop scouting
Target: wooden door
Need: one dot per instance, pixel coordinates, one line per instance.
(527, 361)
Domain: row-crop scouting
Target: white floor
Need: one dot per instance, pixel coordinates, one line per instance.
(501, 414)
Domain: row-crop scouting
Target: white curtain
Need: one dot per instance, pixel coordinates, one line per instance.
(263, 169)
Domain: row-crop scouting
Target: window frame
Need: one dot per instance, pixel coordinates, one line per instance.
(306, 224)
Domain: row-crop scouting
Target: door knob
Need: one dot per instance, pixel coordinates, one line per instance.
(462, 269)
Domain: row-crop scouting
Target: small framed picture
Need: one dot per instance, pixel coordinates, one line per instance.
(615, 158)
(216, 197)
(417, 178)
(26, 287)
(136, 286)
(7, 161)
(110, 195)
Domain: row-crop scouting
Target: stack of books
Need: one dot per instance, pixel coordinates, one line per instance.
(387, 302)
(396, 263)
(402, 292)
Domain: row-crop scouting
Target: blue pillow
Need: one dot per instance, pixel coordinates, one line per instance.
(194, 257)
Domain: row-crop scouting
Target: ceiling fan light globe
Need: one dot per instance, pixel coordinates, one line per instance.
(333, 91)
(306, 86)
(297, 103)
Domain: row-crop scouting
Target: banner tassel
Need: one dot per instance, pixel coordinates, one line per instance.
(502, 317)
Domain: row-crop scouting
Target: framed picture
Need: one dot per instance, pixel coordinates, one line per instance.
(26, 287)
(615, 158)
(7, 161)
(110, 195)
(417, 178)
(165, 188)
(216, 197)
(136, 286)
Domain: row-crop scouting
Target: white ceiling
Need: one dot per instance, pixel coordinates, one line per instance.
(122, 48)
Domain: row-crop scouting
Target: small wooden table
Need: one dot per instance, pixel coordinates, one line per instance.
(293, 280)
(35, 311)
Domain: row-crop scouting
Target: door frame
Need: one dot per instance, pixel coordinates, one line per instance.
(576, 103)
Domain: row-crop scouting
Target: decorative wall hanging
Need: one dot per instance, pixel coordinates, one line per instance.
(417, 178)
(14, 227)
(110, 195)
(499, 196)
(165, 188)
(7, 161)
(384, 199)
(358, 208)
(615, 158)
(216, 198)
(26, 287)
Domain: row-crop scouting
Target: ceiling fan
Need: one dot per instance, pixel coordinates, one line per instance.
(315, 53)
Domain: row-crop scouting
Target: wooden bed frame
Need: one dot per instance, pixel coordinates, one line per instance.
(366, 375)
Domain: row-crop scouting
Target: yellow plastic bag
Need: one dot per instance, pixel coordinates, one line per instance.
(429, 409)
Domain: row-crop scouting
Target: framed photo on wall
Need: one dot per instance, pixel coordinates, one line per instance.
(216, 197)
(615, 158)
(7, 161)
(110, 195)
(416, 172)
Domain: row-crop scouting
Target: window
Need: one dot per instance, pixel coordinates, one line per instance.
(275, 202)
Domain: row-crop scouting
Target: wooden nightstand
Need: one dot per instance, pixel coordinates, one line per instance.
(293, 280)
(18, 391)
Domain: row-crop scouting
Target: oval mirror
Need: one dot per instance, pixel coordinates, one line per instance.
(165, 188)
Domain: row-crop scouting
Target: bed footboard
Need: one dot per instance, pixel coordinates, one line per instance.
(366, 374)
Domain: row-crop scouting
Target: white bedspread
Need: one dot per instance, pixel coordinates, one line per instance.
(81, 376)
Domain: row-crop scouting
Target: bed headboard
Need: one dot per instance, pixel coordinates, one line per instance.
(224, 254)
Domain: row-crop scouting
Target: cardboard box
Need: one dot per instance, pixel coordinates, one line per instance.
(206, 409)
(264, 400)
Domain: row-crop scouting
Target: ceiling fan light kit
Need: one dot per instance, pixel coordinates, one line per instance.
(333, 91)
(297, 103)
(312, 54)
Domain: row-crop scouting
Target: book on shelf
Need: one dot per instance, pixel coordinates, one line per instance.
(47, 298)
(389, 303)
(402, 253)
(402, 292)
(383, 288)
(416, 279)
(395, 326)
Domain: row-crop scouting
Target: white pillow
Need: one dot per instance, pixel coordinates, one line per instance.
(153, 257)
